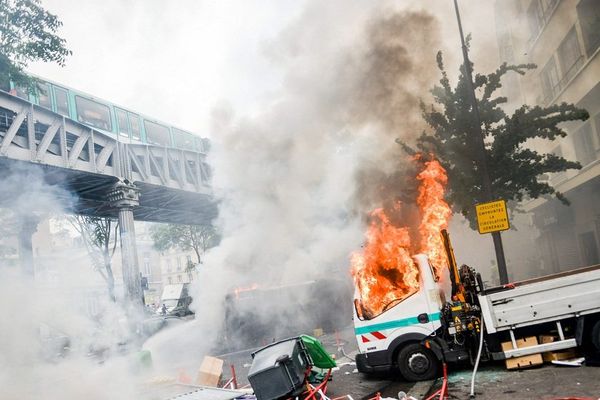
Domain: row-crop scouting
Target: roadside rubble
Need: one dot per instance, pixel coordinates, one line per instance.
(217, 378)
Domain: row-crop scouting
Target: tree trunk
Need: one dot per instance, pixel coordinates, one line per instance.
(197, 254)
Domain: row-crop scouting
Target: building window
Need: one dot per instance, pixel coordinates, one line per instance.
(584, 144)
(538, 14)
(569, 56)
(169, 266)
(93, 113)
(146, 259)
(535, 19)
(170, 280)
(589, 20)
(179, 279)
(178, 263)
(550, 82)
(505, 48)
(157, 134)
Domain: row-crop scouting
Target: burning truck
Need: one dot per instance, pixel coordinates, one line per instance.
(415, 309)
(256, 315)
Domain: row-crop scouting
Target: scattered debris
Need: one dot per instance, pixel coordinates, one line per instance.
(210, 371)
(574, 362)
(285, 369)
(528, 361)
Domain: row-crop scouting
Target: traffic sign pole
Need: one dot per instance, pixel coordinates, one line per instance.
(480, 146)
(502, 272)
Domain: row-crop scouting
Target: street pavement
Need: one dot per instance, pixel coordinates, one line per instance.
(546, 382)
(345, 379)
(494, 381)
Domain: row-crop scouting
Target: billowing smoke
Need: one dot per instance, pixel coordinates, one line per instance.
(295, 180)
(53, 343)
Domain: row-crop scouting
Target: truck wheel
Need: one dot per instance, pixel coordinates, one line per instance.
(417, 363)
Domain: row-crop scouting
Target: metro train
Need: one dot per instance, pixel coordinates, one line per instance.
(126, 125)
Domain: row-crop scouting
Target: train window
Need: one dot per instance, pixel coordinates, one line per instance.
(43, 92)
(92, 113)
(22, 92)
(62, 102)
(183, 140)
(122, 122)
(5, 84)
(156, 133)
(134, 120)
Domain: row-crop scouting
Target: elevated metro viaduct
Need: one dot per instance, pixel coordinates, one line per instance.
(102, 176)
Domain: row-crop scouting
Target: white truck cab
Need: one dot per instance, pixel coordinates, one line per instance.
(408, 320)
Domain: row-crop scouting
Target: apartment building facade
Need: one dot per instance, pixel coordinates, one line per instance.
(562, 37)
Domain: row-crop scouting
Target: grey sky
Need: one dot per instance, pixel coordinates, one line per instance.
(173, 60)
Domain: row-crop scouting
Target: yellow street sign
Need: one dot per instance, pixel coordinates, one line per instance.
(492, 216)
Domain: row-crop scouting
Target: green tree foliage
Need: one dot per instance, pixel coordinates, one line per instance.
(100, 238)
(27, 33)
(515, 168)
(198, 238)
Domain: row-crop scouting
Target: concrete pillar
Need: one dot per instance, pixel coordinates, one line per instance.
(28, 226)
(125, 197)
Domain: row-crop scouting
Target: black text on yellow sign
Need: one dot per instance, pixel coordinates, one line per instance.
(492, 217)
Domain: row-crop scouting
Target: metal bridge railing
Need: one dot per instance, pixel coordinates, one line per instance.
(35, 134)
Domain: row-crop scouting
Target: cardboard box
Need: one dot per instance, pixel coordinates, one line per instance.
(547, 338)
(210, 371)
(550, 356)
(525, 361)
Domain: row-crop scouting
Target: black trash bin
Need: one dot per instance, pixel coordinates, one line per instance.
(278, 370)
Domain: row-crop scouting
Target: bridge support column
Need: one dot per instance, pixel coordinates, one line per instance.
(125, 197)
(28, 226)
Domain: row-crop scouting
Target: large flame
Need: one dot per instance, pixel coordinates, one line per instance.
(435, 213)
(384, 272)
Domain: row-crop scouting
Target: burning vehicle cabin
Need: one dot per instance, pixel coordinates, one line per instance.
(413, 312)
(454, 318)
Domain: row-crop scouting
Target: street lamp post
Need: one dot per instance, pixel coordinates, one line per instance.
(480, 146)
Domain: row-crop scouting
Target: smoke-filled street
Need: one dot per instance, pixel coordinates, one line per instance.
(272, 200)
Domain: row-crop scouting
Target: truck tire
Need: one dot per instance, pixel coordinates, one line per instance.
(417, 363)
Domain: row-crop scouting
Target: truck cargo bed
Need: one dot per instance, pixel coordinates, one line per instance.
(546, 299)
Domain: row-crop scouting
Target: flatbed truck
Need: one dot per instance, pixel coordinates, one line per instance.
(448, 318)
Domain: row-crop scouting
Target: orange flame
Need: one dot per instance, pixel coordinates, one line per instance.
(435, 213)
(384, 272)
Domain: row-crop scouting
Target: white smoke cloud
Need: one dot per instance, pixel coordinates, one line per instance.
(57, 340)
(295, 179)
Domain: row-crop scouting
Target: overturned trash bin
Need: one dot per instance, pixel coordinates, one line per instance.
(279, 370)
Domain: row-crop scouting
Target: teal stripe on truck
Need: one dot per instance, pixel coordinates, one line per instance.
(399, 323)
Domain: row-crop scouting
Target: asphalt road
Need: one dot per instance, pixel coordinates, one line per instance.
(546, 382)
(345, 379)
(494, 381)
